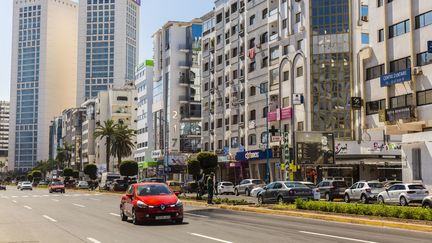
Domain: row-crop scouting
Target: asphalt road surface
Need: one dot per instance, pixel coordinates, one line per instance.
(37, 216)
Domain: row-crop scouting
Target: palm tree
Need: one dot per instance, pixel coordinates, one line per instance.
(122, 144)
(106, 131)
(2, 165)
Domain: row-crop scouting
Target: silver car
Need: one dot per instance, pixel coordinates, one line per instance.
(403, 194)
(26, 185)
(246, 186)
(364, 191)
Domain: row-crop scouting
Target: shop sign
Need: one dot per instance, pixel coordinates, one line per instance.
(272, 116)
(286, 113)
(396, 77)
(253, 155)
(276, 139)
(298, 99)
(356, 103)
(156, 154)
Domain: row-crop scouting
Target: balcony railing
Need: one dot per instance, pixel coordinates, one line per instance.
(400, 113)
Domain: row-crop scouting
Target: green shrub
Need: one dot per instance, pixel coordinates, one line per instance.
(377, 210)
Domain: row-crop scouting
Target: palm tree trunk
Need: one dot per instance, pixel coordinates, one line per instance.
(108, 152)
(119, 158)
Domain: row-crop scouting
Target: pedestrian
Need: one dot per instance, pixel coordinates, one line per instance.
(210, 188)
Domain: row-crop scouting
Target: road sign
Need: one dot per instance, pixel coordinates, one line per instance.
(275, 139)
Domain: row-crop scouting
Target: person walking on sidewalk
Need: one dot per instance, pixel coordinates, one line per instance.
(210, 188)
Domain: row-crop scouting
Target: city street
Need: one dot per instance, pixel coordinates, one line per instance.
(37, 216)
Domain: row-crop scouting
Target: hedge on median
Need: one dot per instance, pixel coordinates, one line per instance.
(378, 210)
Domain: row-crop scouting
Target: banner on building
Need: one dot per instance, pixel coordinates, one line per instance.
(396, 77)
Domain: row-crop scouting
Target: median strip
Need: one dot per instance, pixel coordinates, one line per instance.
(209, 237)
(336, 237)
(49, 218)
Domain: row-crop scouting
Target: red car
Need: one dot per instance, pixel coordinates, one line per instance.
(56, 186)
(150, 202)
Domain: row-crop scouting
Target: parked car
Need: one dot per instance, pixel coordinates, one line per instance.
(118, 185)
(315, 189)
(43, 183)
(108, 178)
(403, 194)
(26, 185)
(56, 186)
(427, 202)
(225, 187)
(19, 185)
(247, 185)
(70, 184)
(150, 201)
(82, 185)
(284, 191)
(175, 186)
(364, 191)
(2, 187)
(159, 180)
(255, 191)
(388, 184)
(331, 189)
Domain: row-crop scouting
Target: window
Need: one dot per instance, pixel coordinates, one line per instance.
(234, 120)
(252, 91)
(374, 72)
(381, 35)
(373, 107)
(380, 3)
(400, 64)
(264, 38)
(423, 20)
(286, 102)
(274, 76)
(234, 142)
(206, 86)
(298, 17)
(424, 97)
(299, 72)
(299, 44)
(285, 50)
(206, 126)
(284, 23)
(252, 115)
(274, 53)
(252, 139)
(219, 123)
(399, 29)
(219, 18)
(364, 10)
(122, 98)
(252, 66)
(206, 66)
(365, 38)
(263, 88)
(264, 13)
(219, 80)
(264, 112)
(234, 52)
(252, 20)
(233, 8)
(300, 126)
(424, 58)
(401, 101)
(219, 60)
(285, 75)
(264, 62)
(252, 43)
(264, 137)
(218, 39)
(416, 164)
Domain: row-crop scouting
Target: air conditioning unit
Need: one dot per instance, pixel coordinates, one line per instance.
(364, 18)
(417, 71)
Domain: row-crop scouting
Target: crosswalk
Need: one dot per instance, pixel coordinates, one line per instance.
(2, 196)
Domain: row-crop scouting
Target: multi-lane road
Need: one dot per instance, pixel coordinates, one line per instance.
(37, 216)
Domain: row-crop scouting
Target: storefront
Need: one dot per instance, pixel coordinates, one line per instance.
(231, 170)
(147, 169)
(257, 162)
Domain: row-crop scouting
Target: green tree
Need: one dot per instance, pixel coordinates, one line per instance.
(106, 131)
(30, 176)
(208, 161)
(91, 171)
(75, 174)
(68, 172)
(36, 174)
(194, 168)
(128, 168)
(122, 143)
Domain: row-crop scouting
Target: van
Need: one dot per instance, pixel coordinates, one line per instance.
(107, 178)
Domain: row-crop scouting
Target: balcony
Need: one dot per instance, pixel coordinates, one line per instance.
(273, 15)
(184, 48)
(185, 80)
(185, 65)
(274, 37)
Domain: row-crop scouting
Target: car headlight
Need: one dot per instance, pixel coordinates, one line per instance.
(179, 203)
(141, 204)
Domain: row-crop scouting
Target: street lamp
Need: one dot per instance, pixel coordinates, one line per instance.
(263, 90)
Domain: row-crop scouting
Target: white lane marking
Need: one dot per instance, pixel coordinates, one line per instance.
(210, 238)
(56, 195)
(14, 196)
(24, 196)
(336, 237)
(93, 240)
(94, 199)
(114, 214)
(49, 218)
(79, 205)
(196, 215)
(14, 201)
(29, 208)
(45, 195)
(55, 200)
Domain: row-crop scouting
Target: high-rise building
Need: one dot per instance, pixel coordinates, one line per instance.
(107, 45)
(55, 137)
(144, 86)
(4, 131)
(43, 77)
(177, 91)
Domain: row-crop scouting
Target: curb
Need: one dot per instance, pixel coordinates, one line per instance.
(326, 217)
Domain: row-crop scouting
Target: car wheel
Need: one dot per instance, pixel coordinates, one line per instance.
(50, 191)
(280, 200)
(381, 200)
(427, 205)
(236, 192)
(364, 199)
(403, 201)
(123, 215)
(247, 192)
(347, 198)
(135, 221)
(260, 200)
(328, 197)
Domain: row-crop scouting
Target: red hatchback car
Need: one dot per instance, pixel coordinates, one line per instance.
(150, 202)
(56, 186)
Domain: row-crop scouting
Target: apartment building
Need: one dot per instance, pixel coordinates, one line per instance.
(88, 129)
(396, 83)
(108, 44)
(177, 93)
(72, 129)
(144, 86)
(44, 54)
(55, 137)
(4, 132)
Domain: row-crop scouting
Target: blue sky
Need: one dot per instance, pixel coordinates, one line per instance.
(154, 13)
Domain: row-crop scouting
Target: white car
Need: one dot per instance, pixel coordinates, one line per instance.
(403, 194)
(316, 190)
(225, 187)
(255, 191)
(82, 185)
(26, 185)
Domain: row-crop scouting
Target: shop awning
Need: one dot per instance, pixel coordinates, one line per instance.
(146, 164)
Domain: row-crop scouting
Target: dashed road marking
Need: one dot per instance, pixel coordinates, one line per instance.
(93, 240)
(196, 215)
(55, 200)
(114, 214)
(49, 218)
(29, 208)
(78, 205)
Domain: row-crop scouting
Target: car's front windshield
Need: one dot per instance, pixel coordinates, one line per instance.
(153, 190)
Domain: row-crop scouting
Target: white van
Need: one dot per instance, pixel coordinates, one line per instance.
(107, 178)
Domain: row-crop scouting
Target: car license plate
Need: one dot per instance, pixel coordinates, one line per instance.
(163, 217)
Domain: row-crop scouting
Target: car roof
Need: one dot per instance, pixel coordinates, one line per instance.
(149, 183)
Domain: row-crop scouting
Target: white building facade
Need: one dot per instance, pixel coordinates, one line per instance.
(43, 76)
(108, 45)
(4, 132)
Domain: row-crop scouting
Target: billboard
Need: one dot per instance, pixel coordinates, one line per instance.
(315, 148)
